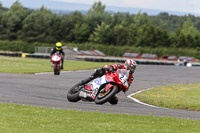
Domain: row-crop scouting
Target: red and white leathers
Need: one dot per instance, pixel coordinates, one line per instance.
(120, 66)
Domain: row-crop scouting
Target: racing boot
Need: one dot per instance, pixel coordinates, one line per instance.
(61, 63)
(61, 67)
(113, 100)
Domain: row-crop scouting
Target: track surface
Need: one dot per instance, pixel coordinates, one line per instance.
(47, 90)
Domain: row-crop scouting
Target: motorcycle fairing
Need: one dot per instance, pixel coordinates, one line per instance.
(120, 77)
(56, 58)
(109, 80)
(96, 83)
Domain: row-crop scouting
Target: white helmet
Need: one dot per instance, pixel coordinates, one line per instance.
(130, 65)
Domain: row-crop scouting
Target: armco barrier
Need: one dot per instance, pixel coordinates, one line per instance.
(41, 56)
(101, 59)
(195, 64)
(13, 54)
(20, 54)
(122, 60)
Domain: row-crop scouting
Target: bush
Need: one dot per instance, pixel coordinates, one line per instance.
(21, 46)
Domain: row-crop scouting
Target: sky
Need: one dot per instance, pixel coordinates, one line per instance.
(187, 6)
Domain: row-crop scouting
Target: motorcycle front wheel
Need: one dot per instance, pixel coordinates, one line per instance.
(73, 93)
(102, 96)
(56, 69)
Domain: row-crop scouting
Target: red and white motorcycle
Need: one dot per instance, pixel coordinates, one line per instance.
(56, 60)
(102, 89)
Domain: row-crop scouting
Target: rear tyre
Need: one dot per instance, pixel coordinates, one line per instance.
(73, 93)
(103, 97)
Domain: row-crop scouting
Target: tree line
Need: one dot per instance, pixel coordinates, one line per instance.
(99, 27)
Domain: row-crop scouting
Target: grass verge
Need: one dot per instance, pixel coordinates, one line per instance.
(185, 96)
(27, 119)
(31, 65)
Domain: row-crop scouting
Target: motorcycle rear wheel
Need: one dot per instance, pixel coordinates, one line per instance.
(102, 98)
(73, 93)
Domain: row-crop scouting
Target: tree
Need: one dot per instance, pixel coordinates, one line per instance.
(120, 34)
(77, 18)
(180, 39)
(37, 26)
(102, 34)
(189, 34)
(1, 12)
(152, 36)
(96, 15)
(132, 34)
(1, 26)
(81, 32)
(117, 18)
(66, 28)
(97, 8)
(12, 21)
(189, 28)
(140, 19)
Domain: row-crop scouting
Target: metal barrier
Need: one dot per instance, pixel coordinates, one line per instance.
(100, 59)
(139, 61)
(24, 55)
(13, 54)
(42, 56)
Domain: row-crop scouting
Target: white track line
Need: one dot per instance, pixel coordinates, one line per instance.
(138, 101)
(61, 72)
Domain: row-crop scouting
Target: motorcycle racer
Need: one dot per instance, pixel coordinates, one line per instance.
(59, 49)
(128, 65)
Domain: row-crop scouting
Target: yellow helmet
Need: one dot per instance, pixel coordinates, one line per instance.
(58, 45)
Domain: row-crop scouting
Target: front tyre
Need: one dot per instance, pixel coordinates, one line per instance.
(58, 69)
(102, 97)
(73, 93)
(55, 70)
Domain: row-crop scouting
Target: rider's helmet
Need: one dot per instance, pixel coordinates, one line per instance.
(58, 46)
(130, 65)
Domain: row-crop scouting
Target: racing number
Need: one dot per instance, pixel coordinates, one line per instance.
(122, 79)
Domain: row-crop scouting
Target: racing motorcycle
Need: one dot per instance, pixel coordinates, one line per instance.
(56, 60)
(102, 89)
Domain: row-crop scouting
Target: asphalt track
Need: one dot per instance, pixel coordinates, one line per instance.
(47, 90)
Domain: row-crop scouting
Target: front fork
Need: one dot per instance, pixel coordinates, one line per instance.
(56, 65)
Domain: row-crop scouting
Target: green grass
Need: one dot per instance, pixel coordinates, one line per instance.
(27, 119)
(31, 65)
(185, 96)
